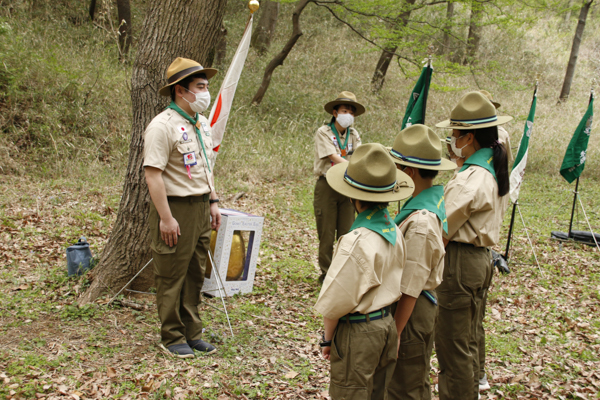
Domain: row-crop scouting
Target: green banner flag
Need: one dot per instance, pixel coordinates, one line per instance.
(417, 103)
(574, 161)
(516, 176)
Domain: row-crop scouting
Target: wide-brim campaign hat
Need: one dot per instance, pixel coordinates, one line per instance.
(347, 98)
(370, 175)
(473, 111)
(490, 98)
(419, 147)
(180, 69)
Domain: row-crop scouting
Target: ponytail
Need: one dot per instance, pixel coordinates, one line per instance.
(488, 137)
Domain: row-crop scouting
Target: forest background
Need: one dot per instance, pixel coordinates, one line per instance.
(65, 123)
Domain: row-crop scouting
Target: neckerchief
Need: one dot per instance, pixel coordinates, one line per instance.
(195, 123)
(378, 220)
(431, 199)
(483, 158)
(337, 136)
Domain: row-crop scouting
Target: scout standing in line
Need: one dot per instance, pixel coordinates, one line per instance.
(418, 152)
(334, 144)
(474, 213)
(177, 147)
(360, 337)
(504, 139)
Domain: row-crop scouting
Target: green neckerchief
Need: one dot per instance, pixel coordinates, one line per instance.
(378, 220)
(431, 199)
(483, 158)
(337, 136)
(191, 120)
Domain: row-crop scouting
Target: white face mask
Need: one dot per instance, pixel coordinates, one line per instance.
(201, 103)
(345, 120)
(457, 151)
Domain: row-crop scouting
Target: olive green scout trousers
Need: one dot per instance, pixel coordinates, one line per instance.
(467, 276)
(335, 215)
(363, 357)
(411, 376)
(179, 270)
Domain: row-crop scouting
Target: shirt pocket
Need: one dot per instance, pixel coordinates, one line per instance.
(190, 146)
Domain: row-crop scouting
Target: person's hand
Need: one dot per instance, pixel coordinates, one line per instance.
(169, 231)
(326, 351)
(215, 215)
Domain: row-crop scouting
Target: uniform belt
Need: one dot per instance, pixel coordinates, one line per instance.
(190, 199)
(355, 318)
(463, 244)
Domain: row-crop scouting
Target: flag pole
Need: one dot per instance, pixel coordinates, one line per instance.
(573, 209)
(510, 229)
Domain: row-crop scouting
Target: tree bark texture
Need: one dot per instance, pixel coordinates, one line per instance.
(280, 58)
(445, 45)
(474, 32)
(566, 88)
(264, 31)
(388, 53)
(172, 28)
(221, 48)
(125, 28)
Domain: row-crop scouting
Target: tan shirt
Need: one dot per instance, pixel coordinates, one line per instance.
(165, 146)
(364, 275)
(422, 231)
(473, 209)
(326, 144)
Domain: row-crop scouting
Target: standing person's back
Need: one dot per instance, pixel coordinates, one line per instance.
(360, 337)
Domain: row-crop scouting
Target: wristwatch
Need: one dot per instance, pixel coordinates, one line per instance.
(213, 201)
(325, 343)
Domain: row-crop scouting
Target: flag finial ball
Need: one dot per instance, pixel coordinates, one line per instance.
(253, 6)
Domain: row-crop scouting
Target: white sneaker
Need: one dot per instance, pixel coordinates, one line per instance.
(484, 384)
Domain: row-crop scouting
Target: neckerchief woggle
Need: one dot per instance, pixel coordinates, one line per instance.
(483, 158)
(337, 136)
(195, 123)
(431, 199)
(378, 220)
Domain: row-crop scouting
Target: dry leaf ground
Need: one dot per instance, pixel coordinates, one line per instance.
(543, 338)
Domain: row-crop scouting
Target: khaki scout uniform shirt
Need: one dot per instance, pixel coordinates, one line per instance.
(326, 144)
(473, 209)
(424, 266)
(364, 275)
(164, 147)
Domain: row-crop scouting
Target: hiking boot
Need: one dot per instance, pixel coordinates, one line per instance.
(483, 383)
(202, 346)
(179, 350)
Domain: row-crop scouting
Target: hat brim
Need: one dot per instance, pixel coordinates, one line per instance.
(502, 119)
(445, 165)
(209, 72)
(360, 109)
(335, 178)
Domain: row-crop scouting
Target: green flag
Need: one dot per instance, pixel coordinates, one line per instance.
(574, 161)
(516, 176)
(417, 104)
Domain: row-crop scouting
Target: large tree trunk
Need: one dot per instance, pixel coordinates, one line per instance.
(173, 28)
(474, 32)
(92, 9)
(445, 45)
(280, 58)
(125, 28)
(388, 53)
(221, 51)
(264, 31)
(566, 88)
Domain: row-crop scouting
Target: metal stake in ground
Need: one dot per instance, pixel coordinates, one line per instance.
(127, 284)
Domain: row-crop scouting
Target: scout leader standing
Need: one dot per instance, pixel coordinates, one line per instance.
(334, 143)
(418, 152)
(474, 212)
(360, 337)
(177, 147)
